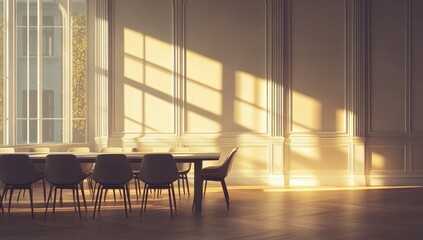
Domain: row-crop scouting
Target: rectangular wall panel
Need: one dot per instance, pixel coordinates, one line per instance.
(143, 87)
(318, 84)
(387, 66)
(225, 88)
(387, 159)
(318, 159)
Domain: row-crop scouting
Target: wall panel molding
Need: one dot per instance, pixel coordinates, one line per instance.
(313, 73)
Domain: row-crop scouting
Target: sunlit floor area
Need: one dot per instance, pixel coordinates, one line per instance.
(255, 213)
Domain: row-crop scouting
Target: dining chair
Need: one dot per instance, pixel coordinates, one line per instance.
(183, 169)
(17, 172)
(110, 150)
(40, 166)
(87, 168)
(64, 172)
(158, 171)
(136, 167)
(112, 171)
(219, 173)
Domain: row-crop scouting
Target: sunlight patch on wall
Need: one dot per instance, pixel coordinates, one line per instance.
(159, 80)
(250, 103)
(205, 124)
(341, 116)
(133, 43)
(132, 95)
(158, 114)
(205, 98)
(204, 70)
(204, 94)
(148, 94)
(133, 69)
(306, 113)
(378, 161)
(159, 53)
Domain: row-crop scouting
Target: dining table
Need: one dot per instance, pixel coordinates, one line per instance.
(197, 158)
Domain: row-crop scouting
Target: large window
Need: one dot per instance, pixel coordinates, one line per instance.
(47, 50)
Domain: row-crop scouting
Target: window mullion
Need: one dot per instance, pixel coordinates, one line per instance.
(40, 71)
(67, 101)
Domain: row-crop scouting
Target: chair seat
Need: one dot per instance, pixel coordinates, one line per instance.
(211, 169)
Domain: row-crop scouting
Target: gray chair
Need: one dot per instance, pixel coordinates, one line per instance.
(158, 171)
(17, 172)
(109, 150)
(219, 173)
(64, 172)
(136, 167)
(183, 169)
(87, 168)
(112, 171)
(40, 166)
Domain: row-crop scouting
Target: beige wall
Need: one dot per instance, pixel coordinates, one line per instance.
(314, 92)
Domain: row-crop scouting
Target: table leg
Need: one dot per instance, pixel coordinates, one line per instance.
(198, 186)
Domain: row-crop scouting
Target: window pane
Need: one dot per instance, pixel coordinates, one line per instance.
(33, 131)
(52, 131)
(53, 76)
(52, 12)
(23, 8)
(21, 131)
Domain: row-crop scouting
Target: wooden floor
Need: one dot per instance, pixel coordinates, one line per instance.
(256, 213)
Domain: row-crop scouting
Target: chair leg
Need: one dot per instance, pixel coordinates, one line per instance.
(96, 200)
(10, 198)
(127, 192)
(137, 193)
(170, 202)
(205, 187)
(54, 201)
(225, 191)
(94, 188)
(44, 189)
(48, 200)
(186, 179)
(77, 199)
(179, 188)
(31, 201)
(101, 197)
(2, 197)
(83, 196)
(173, 193)
(144, 199)
(73, 196)
(124, 203)
(19, 195)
